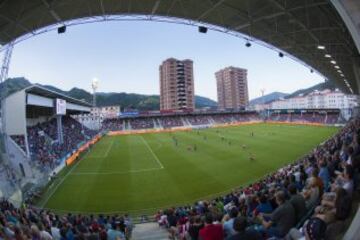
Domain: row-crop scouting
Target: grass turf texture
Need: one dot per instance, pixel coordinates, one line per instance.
(144, 173)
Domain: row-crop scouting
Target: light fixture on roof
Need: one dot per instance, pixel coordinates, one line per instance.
(281, 54)
(202, 29)
(61, 29)
(333, 62)
(336, 66)
(339, 71)
(321, 47)
(342, 75)
(327, 55)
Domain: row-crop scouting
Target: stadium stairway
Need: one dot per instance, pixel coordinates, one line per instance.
(159, 123)
(124, 125)
(128, 125)
(185, 122)
(149, 231)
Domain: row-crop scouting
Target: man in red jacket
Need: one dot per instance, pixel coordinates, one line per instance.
(211, 231)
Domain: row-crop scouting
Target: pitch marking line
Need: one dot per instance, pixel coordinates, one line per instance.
(156, 158)
(141, 211)
(116, 172)
(61, 181)
(106, 153)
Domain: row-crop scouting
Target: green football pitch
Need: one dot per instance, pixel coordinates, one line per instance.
(145, 172)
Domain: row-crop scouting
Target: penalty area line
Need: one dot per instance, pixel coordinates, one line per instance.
(105, 154)
(116, 172)
(154, 155)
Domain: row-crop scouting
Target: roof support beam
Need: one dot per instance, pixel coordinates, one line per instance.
(155, 7)
(16, 23)
(274, 15)
(51, 11)
(318, 29)
(278, 5)
(102, 7)
(214, 6)
(267, 17)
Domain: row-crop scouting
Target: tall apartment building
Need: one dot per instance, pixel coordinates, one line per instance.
(176, 85)
(232, 89)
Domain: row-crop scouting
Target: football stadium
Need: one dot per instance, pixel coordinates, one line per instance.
(79, 165)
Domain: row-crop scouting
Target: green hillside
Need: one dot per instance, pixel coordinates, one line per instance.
(125, 100)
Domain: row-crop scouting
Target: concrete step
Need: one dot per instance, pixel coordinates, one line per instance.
(149, 231)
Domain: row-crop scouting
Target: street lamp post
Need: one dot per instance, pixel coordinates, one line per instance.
(95, 86)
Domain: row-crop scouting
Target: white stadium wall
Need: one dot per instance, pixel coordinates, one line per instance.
(15, 113)
(18, 156)
(39, 101)
(77, 107)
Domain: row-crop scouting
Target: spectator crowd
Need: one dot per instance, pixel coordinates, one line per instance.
(306, 117)
(149, 122)
(136, 123)
(30, 223)
(44, 145)
(309, 199)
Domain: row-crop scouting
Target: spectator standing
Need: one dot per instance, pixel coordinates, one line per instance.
(211, 231)
(114, 233)
(228, 224)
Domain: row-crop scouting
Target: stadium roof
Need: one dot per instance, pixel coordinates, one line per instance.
(296, 27)
(44, 92)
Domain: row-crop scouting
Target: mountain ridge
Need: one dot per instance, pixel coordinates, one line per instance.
(125, 100)
(268, 98)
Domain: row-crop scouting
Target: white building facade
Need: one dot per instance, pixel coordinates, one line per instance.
(94, 119)
(325, 99)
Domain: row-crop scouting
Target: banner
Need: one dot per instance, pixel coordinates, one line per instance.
(81, 149)
(60, 106)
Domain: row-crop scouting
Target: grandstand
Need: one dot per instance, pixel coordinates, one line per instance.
(209, 119)
(321, 116)
(39, 155)
(248, 200)
(41, 138)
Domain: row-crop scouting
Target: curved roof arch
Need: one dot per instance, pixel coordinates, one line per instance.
(296, 27)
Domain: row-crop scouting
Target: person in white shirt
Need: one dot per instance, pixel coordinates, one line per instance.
(44, 235)
(55, 231)
(345, 180)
